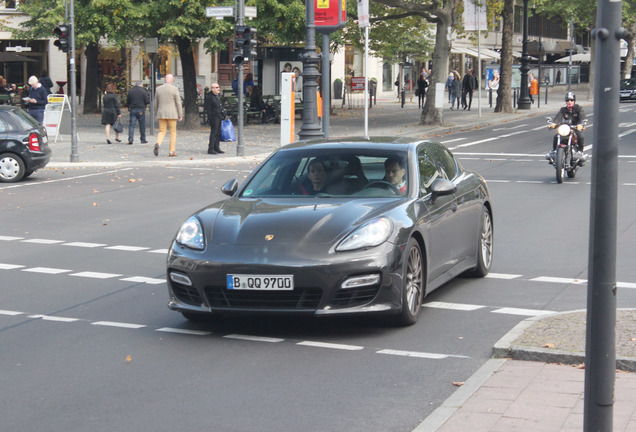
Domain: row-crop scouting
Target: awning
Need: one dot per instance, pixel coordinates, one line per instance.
(517, 54)
(473, 52)
(582, 57)
(455, 50)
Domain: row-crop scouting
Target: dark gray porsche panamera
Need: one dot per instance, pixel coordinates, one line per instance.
(326, 227)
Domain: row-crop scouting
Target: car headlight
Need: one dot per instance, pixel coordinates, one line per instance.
(563, 130)
(370, 234)
(191, 234)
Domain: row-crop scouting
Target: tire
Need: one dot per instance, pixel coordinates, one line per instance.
(11, 168)
(559, 164)
(413, 285)
(485, 244)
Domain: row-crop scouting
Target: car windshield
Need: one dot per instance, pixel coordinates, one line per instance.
(628, 84)
(331, 172)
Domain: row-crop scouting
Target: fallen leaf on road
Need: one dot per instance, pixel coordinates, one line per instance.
(548, 345)
(458, 383)
(128, 358)
(95, 204)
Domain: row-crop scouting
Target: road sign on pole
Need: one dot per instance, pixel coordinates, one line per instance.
(219, 11)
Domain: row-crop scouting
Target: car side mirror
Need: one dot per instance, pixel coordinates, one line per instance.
(441, 187)
(230, 187)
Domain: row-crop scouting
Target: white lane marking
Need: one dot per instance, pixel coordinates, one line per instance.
(184, 331)
(254, 338)
(46, 270)
(452, 140)
(53, 318)
(530, 181)
(559, 280)
(62, 179)
(118, 324)
(502, 276)
(474, 143)
(84, 244)
(452, 306)
(42, 241)
(10, 313)
(159, 251)
(96, 275)
(9, 238)
(127, 248)
(143, 279)
(522, 312)
(331, 345)
(625, 285)
(417, 354)
(509, 127)
(10, 266)
(621, 135)
(512, 133)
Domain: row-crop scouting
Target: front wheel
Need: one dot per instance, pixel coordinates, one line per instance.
(485, 245)
(560, 165)
(413, 284)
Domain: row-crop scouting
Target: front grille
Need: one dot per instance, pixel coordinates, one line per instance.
(354, 296)
(186, 294)
(299, 298)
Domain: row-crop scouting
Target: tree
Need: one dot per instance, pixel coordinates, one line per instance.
(504, 100)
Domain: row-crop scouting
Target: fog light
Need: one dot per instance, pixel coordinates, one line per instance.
(360, 281)
(180, 279)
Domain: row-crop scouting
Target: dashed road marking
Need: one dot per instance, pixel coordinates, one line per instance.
(118, 324)
(331, 345)
(184, 331)
(254, 338)
(95, 275)
(522, 312)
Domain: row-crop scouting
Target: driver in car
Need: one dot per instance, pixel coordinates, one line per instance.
(395, 170)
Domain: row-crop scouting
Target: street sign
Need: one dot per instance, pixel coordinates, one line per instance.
(250, 11)
(219, 11)
(357, 83)
(18, 49)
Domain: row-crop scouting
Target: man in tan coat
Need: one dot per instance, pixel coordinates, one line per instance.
(168, 110)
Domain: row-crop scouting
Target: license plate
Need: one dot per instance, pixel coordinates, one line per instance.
(260, 282)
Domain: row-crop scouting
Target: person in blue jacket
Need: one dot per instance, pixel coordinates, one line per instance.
(38, 97)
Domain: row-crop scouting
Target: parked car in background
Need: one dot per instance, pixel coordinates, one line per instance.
(335, 227)
(628, 89)
(24, 144)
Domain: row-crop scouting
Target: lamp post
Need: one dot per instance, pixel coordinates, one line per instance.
(524, 101)
(310, 59)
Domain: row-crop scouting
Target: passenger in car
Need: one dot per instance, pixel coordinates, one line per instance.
(395, 170)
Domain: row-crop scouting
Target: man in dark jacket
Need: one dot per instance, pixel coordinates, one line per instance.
(38, 98)
(215, 117)
(469, 84)
(572, 114)
(137, 100)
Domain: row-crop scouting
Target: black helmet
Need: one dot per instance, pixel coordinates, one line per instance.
(570, 96)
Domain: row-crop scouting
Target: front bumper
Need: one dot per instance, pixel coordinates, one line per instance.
(196, 284)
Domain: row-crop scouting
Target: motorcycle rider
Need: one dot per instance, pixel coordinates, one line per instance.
(572, 114)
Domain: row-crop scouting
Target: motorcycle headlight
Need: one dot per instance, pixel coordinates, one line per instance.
(191, 234)
(563, 130)
(370, 234)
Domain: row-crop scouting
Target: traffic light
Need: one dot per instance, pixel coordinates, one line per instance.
(63, 33)
(245, 41)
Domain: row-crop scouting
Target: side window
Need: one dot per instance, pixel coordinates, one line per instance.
(448, 163)
(428, 169)
(3, 125)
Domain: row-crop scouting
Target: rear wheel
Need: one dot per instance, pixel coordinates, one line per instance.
(413, 285)
(11, 168)
(560, 165)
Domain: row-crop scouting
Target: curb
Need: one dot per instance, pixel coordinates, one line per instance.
(507, 348)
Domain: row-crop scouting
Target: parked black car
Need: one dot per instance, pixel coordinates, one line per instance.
(24, 144)
(628, 89)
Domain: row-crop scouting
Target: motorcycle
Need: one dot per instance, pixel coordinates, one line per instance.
(566, 158)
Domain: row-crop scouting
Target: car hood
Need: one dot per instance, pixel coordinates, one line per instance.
(241, 221)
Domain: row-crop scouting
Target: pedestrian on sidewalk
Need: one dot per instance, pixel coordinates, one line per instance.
(456, 90)
(137, 100)
(45, 80)
(533, 84)
(168, 111)
(422, 84)
(449, 86)
(37, 99)
(111, 112)
(216, 115)
(469, 84)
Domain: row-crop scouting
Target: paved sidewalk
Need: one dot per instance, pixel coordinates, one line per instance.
(538, 385)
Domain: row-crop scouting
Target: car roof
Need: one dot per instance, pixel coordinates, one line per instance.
(379, 142)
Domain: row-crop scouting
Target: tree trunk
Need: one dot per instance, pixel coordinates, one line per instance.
(93, 80)
(191, 117)
(430, 114)
(504, 93)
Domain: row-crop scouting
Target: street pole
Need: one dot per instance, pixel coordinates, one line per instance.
(74, 153)
(600, 345)
(571, 50)
(524, 101)
(310, 59)
(325, 85)
(240, 148)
